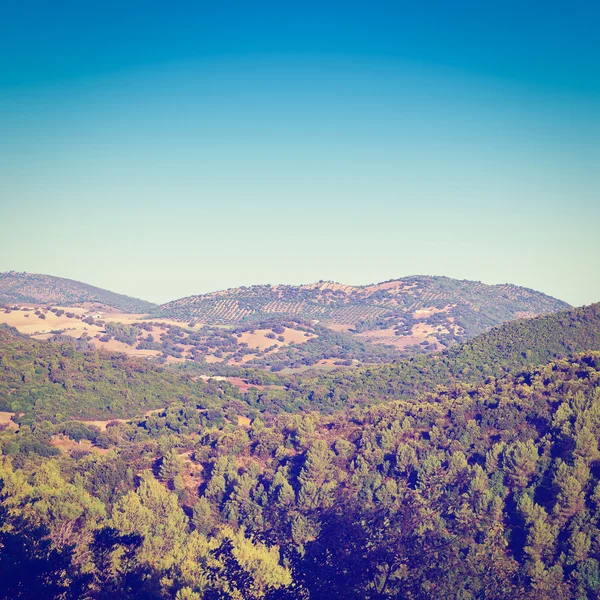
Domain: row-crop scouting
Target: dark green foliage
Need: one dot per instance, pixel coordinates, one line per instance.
(435, 498)
(506, 348)
(31, 568)
(57, 382)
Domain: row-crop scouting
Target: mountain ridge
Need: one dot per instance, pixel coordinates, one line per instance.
(331, 284)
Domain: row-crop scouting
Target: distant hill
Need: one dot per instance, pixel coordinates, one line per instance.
(35, 288)
(418, 310)
(276, 328)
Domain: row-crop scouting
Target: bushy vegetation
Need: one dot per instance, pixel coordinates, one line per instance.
(486, 491)
(224, 345)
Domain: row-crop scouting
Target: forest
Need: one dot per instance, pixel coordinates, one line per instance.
(471, 473)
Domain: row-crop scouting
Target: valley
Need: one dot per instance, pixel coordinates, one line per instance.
(299, 302)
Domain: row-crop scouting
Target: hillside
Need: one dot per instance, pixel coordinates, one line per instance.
(34, 288)
(492, 493)
(414, 311)
(54, 378)
(278, 330)
(64, 380)
(506, 348)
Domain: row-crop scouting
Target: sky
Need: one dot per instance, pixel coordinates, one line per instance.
(167, 149)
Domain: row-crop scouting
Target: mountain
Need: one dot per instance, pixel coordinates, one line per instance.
(34, 288)
(418, 310)
(276, 328)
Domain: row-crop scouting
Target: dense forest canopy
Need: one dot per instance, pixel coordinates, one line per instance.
(59, 381)
(472, 473)
(486, 491)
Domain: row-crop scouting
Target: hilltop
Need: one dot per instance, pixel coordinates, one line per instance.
(35, 288)
(471, 306)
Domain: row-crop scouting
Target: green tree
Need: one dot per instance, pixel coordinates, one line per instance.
(520, 460)
(153, 513)
(171, 466)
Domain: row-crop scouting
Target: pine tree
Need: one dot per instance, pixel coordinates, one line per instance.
(520, 460)
(171, 466)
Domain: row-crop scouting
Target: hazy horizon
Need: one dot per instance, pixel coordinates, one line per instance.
(161, 153)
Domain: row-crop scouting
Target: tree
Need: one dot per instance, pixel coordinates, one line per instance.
(317, 476)
(541, 535)
(520, 460)
(153, 513)
(252, 568)
(171, 466)
(31, 567)
(203, 518)
(570, 497)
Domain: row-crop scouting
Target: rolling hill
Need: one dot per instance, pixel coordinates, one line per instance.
(414, 310)
(65, 380)
(34, 288)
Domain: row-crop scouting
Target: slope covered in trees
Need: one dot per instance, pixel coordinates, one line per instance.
(272, 328)
(65, 380)
(506, 348)
(35, 288)
(488, 491)
(59, 381)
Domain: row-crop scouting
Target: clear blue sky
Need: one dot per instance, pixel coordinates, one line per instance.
(165, 149)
